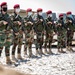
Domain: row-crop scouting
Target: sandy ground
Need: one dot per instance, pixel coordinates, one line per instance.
(57, 64)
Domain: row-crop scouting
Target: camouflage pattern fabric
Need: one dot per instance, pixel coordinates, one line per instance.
(61, 35)
(5, 34)
(70, 28)
(49, 31)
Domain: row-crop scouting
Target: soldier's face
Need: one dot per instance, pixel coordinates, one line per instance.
(40, 13)
(17, 10)
(70, 15)
(4, 8)
(49, 15)
(61, 18)
(30, 13)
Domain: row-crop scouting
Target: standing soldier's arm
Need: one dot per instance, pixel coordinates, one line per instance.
(10, 23)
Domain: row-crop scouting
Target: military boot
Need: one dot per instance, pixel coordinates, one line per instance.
(25, 51)
(19, 54)
(30, 53)
(46, 52)
(50, 52)
(59, 50)
(25, 54)
(71, 49)
(62, 51)
(0, 56)
(1, 51)
(41, 52)
(37, 52)
(19, 57)
(14, 59)
(67, 48)
(8, 61)
(13, 55)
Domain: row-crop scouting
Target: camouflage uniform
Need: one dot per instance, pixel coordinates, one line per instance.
(6, 35)
(70, 28)
(61, 36)
(39, 30)
(29, 35)
(1, 43)
(49, 33)
(17, 39)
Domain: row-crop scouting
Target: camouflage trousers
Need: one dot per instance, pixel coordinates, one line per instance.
(29, 39)
(39, 40)
(61, 37)
(5, 40)
(17, 40)
(70, 34)
(48, 40)
(2, 41)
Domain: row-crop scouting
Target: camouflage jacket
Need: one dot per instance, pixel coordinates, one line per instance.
(49, 25)
(40, 24)
(60, 27)
(10, 25)
(69, 24)
(29, 24)
(15, 18)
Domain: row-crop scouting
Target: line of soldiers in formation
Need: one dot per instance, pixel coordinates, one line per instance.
(13, 27)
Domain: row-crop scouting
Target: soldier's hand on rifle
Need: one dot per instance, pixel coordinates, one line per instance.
(70, 21)
(41, 20)
(49, 23)
(17, 33)
(68, 29)
(30, 22)
(25, 24)
(19, 22)
(59, 24)
(4, 22)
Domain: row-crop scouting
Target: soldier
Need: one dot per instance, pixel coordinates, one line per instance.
(17, 40)
(70, 28)
(49, 31)
(39, 30)
(61, 34)
(1, 47)
(29, 32)
(6, 26)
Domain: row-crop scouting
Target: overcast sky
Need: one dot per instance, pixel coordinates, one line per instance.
(54, 5)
